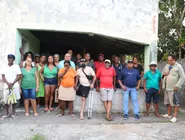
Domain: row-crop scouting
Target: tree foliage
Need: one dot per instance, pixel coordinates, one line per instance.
(171, 17)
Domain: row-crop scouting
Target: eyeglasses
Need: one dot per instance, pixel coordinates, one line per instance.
(153, 66)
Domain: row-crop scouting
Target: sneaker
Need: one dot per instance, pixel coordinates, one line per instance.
(125, 117)
(166, 116)
(137, 116)
(173, 120)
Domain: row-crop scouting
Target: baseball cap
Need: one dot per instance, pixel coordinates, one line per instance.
(107, 60)
(130, 61)
(83, 60)
(11, 56)
(153, 63)
(101, 55)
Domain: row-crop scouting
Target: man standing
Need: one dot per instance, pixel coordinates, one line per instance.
(117, 67)
(123, 59)
(137, 66)
(152, 87)
(56, 59)
(89, 62)
(11, 74)
(174, 78)
(68, 58)
(129, 80)
(71, 53)
(85, 83)
(107, 76)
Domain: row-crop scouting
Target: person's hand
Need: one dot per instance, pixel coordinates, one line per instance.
(66, 69)
(42, 79)
(97, 89)
(145, 90)
(166, 73)
(10, 85)
(159, 92)
(37, 89)
(124, 88)
(137, 88)
(176, 88)
(75, 87)
(92, 86)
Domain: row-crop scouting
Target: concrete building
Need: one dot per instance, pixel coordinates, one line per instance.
(109, 26)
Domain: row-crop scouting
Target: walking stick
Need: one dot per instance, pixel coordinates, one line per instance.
(90, 104)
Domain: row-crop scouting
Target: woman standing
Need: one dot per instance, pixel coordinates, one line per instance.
(29, 85)
(27, 55)
(49, 78)
(40, 93)
(67, 88)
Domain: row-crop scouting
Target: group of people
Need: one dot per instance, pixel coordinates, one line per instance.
(42, 76)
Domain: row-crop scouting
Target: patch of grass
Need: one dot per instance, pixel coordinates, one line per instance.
(38, 137)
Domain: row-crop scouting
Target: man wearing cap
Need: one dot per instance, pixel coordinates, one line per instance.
(107, 76)
(11, 74)
(152, 87)
(85, 83)
(129, 80)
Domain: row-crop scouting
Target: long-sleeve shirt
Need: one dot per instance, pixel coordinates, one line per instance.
(176, 77)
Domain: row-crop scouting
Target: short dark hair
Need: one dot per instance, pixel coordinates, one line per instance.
(173, 56)
(135, 57)
(43, 54)
(26, 55)
(66, 61)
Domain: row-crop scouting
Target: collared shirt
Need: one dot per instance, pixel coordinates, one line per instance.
(11, 73)
(61, 64)
(152, 79)
(129, 77)
(118, 70)
(176, 77)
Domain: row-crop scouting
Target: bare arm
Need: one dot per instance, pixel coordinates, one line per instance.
(144, 84)
(142, 73)
(114, 81)
(37, 81)
(76, 80)
(40, 73)
(17, 78)
(138, 84)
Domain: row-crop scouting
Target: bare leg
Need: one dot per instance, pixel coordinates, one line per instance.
(169, 110)
(109, 107)
(47, 91)
(70, 103)
(176, 110)
(105, 105)
(147, 109)
(38, 101)
(34, 106)
(82, 108)
(5, 110)
(14, 108)
(26, 105)
(156, 110)
(62, 106)
(52, 91)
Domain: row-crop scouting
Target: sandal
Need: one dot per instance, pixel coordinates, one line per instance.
(46, 109)
(73, 115)
(51, 109)
(82, 118)
(35, 114)
(108, 119)
(60, 115)
(3, 117)
(27, 114)
(14, 116)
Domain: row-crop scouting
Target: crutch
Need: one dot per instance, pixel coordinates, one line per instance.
(90, 104)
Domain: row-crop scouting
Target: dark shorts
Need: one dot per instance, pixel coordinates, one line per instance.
(50, 81)
(83, 91)
(29, 93)
(152, 93)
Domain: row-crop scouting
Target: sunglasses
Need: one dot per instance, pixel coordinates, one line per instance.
(153, 65)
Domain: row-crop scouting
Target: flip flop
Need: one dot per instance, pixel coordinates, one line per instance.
(82, 118)
(14, 116)
(73, 115)
(3, 117)
(108, 119)
(35, 114)
(27, 114)
(60, 115)
(46, 109)
(51, 109)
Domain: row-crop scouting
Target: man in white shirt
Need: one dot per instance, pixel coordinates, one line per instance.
(10, 75)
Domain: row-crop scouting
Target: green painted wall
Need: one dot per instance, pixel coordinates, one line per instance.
(33, 43)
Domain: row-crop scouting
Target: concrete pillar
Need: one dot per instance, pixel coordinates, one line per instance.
(146, 57)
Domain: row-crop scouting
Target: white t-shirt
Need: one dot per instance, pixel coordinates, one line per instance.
(11, 74)
(83, 79)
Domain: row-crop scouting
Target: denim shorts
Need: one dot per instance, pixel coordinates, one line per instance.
(152, 93)
(29, 93)
(50, 81)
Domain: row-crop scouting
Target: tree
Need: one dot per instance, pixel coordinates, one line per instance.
(171, 17)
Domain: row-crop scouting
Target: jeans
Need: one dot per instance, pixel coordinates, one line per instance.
(133, 93)
(29, 94)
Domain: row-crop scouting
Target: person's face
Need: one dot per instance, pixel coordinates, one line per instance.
(28, 61)
(70, 52)
(135, 60)
(113, 57)
(43, 59)
(130, 65)
(50, 59)
(153, 67)
(87, 57)
(107, 65)
(101, 58)
(66, 65)
(123, 58)
(116, 60)
(56, 58)
(10, 60)
(67, 57)
(29, 55)
(78, 56)
(171, 61)
(37, 59)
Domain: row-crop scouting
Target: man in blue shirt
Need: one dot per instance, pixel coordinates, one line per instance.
(152, 87)
(117, 67)
(129, 80)
(66, 57)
